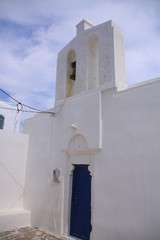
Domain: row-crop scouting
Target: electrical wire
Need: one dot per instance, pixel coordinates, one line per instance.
(20, 102)
(9, 96)
(20, 105)
(27, 111)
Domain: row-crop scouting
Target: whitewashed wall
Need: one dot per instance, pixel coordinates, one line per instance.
(13, 156)
(39, 191)
(125, 171)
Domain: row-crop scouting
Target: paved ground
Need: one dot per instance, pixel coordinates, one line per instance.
(26, 233)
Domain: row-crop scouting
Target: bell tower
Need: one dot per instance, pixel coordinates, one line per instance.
(95, 58)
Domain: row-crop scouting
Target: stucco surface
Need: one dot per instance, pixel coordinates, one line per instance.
(125, 170)
(13, 157)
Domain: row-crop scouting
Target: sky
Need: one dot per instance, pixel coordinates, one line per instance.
(32, 32)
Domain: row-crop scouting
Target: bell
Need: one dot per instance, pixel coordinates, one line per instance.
(73, 75)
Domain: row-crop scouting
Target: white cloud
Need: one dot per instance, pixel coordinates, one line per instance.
(30, 78)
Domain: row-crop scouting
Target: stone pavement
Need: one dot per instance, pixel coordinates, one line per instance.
(26, 233)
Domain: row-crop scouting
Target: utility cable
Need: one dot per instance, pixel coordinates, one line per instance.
(26, 111)
(20, 105)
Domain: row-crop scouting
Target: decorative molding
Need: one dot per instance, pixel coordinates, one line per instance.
(88, 151)
(78, 146)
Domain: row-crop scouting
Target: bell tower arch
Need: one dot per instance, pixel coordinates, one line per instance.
(71, 72)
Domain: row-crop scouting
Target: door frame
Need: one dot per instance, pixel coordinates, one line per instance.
(77, 153)
(71, 160)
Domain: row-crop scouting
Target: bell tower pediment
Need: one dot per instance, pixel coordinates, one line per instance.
(95, 57)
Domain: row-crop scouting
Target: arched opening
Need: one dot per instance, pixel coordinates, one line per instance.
(93, 63)
(71, 73)
(1, 122)
(78, 142)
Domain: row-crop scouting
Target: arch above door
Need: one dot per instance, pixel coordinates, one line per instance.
(78, 145)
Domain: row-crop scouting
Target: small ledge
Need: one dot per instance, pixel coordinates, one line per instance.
(87, 151)
(11, 219)
(13, 212)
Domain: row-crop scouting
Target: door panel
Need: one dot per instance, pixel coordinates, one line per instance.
(80, 225)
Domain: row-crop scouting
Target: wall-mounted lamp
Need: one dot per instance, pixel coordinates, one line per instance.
(73, 126)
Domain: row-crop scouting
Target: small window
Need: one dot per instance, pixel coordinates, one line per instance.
(1, 122)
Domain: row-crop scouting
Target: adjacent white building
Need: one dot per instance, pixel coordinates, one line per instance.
(93, 169)
(9, 117)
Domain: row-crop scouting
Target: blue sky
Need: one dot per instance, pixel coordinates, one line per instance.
(32, 32)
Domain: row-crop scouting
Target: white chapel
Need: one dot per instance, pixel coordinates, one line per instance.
(92, 169)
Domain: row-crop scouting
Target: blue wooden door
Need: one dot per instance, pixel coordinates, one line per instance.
(80, 224)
